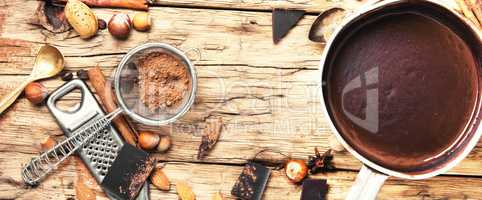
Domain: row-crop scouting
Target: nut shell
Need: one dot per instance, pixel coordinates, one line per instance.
(142, 21)
(81, 18)
(36, 92)
(296, 170)
(148, 140)
(120, 26)
(184, 191)
(160, 180)
(164, 144)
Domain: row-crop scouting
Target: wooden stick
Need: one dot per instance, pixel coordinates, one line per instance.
(106, 95)
(131, 4)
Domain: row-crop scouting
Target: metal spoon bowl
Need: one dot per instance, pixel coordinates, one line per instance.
(48, 63)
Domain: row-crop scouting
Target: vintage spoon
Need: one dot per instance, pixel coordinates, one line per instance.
(48, 63)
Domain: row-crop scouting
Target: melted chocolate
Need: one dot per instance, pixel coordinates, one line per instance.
(401, 89)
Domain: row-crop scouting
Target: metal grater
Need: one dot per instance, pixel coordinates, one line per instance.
(100, 152)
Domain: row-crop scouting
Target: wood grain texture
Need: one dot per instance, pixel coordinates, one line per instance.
(311, 6)
(267, 95)
(206, 179)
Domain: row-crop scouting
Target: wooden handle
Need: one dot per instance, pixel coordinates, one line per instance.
(12, 96)
(106, 95)
(367, 184)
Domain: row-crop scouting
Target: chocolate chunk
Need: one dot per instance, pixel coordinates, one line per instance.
(283, 21)
(314, 189)
(66, 76)
(82, 75)
(252, 182)
(128, 173)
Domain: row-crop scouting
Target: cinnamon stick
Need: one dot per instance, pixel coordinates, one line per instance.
(131, 4)
(106, 95)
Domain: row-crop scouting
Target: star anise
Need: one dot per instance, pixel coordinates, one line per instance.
(320, 163)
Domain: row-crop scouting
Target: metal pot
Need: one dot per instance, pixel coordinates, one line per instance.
(372, 175)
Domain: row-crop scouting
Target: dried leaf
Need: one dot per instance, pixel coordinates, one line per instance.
(160, 180)
(184, 191)
(210, 137)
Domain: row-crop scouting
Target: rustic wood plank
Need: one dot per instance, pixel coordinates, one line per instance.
(311, 6)
(225, 37)
(272, 125)
(206, 179)
(266, 93)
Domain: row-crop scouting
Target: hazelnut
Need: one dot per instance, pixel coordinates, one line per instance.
(36, 92)
(160, 180)
(120, 26)
(296, 170)
(164, 144)
(142, 21)
(148, 140)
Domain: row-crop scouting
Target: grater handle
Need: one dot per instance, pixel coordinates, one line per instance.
(79, 113)
(40, 166)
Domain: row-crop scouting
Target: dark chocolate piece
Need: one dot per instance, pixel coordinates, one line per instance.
(314, 189)
(128, 173)
(66, 76)
(252, 182)
(82, 74)
(283, 21)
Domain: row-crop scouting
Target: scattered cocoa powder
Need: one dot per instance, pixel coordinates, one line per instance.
(140, 176)
(163, 80)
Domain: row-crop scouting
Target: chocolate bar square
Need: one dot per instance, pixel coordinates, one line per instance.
(128, 173)
(252, 182)
(314, 189)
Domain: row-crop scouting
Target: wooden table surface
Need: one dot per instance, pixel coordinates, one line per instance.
(267, 95)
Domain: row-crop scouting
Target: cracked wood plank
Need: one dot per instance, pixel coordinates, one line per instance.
(311, 6)
(265, 93)
(206, 179)
(280, 116)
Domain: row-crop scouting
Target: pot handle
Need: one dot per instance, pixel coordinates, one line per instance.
(367, 184)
